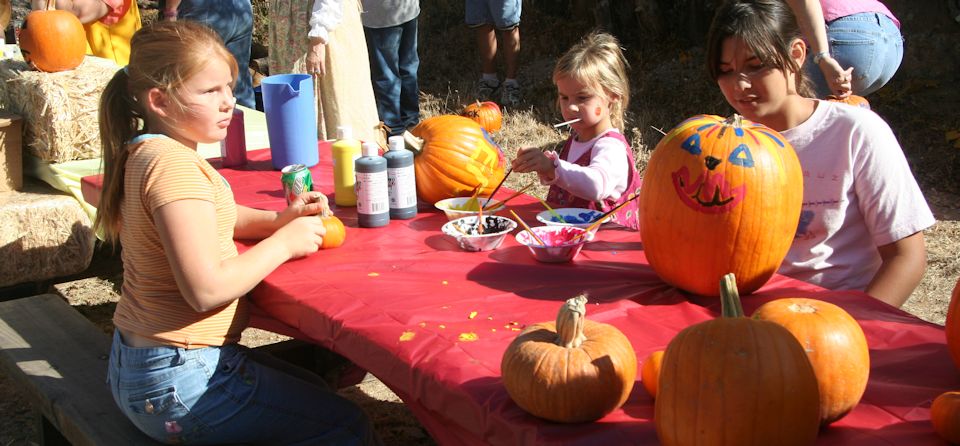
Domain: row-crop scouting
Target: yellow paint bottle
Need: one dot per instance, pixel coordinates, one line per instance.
(345, 151)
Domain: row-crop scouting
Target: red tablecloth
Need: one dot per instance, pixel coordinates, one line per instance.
(398, 302)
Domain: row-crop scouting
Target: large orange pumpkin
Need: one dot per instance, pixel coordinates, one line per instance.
(571, 370)
(953, 325)
(835, 345)
(53, 40)
(487, 114)
(455, 156)
(736, 381)
(720, 195)
(945, 416)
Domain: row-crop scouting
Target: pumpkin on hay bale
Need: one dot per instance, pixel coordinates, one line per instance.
(453, 155)
(572, 370)
(53, 40)
(719, 195)
(736, 381)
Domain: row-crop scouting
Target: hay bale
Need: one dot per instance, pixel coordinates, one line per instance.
(59, 109)
(43, 234)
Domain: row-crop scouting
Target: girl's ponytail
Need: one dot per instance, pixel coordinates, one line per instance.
(119, 123)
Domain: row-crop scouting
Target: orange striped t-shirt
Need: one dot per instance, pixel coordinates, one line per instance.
(160, 171)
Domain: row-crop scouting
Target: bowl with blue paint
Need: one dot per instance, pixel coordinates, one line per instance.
(575, 217)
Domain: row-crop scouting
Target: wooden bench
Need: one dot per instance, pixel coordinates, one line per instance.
(59, 360)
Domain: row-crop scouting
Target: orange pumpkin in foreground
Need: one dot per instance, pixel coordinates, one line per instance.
(572, 370)
(720, 195)
(953, 325)
(945, 416)
(736, 381)
(835, 345)
(487, 114)
(336, 232)
(53, 40)
(453, 155)
(650, 372)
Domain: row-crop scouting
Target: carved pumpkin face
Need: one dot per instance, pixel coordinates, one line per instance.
(719, 195)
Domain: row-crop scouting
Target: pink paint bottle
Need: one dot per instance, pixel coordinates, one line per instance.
(233, 148)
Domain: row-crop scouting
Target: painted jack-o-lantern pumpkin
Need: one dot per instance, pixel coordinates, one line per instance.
(454, 156)
(719, 196)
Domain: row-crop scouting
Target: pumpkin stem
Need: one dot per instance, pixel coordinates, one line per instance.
(570, 322)
(730, 305)
(51, 5)
(413, 142)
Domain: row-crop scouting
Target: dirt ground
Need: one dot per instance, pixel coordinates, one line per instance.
(669, 85)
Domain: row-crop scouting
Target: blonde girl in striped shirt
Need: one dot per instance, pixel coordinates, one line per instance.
(176, 369)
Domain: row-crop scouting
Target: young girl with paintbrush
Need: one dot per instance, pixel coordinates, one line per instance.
(176, 369)
(595, 169)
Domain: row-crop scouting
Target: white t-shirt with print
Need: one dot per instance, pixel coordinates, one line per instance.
(858, 194)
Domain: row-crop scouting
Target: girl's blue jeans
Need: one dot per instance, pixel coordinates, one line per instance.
(394, 63)
(869, 42)
(229, 394)
(233, 21)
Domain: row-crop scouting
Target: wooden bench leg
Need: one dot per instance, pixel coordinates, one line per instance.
(48, 433)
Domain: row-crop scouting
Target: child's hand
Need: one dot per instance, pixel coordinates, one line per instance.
(308, 203)
(302, 236)
(531, 159)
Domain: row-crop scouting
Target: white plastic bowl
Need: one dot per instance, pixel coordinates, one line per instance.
(559, 247)
(464, 231)
(451, 207)
(575, 217)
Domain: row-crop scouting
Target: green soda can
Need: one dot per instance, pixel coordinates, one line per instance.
(296, 180)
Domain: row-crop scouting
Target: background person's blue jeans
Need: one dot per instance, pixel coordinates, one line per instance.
(869, 42)
(233, 21)
(393, 69)
(229, 395)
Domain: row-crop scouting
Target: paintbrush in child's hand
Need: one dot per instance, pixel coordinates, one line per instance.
(603, 217)
(505, 175)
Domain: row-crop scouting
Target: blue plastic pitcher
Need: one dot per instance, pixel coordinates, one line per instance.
(288, 102)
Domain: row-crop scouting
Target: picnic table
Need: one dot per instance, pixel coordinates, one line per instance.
(432, 321)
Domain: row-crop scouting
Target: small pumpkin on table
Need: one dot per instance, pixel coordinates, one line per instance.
(572, 370)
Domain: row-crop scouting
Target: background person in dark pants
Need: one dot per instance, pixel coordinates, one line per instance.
(390, 28)
(233, 21)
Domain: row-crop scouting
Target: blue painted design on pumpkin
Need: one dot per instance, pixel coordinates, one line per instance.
(741, 156)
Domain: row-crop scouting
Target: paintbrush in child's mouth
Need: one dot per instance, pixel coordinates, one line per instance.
(565, 123)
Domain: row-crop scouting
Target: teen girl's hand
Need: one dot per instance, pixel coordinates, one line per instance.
(840, 80)
(531, 159)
